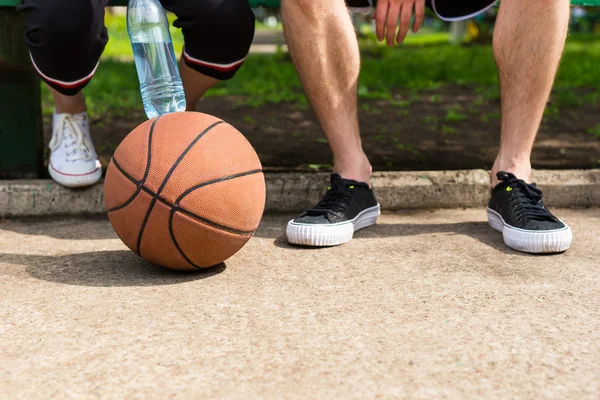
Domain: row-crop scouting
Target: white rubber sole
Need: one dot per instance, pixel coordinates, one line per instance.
(318, 235)
(537, 242)
(74, 181)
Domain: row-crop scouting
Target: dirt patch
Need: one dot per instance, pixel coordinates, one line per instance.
(447, 128)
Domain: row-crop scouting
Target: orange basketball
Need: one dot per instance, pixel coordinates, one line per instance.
(185, 190)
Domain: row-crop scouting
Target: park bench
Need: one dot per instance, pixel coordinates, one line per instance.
(21, 147)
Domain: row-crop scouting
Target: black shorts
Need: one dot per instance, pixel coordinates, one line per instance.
(67, 37)
(448, 10)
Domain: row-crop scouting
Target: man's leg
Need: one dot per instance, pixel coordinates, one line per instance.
(529, 38)
(324, 48)
(195, 84)
(528, 42)
(323, 45)
(68, 104)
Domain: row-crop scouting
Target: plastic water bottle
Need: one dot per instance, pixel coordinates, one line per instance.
(160, 83)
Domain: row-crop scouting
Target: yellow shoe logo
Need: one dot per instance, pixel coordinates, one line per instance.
(508, 188)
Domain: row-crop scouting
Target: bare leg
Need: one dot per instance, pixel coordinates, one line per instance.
(68, 104)
(529, 38)
(195, 84)
(324, 49)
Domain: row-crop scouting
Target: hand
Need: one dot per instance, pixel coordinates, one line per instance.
(388, 13)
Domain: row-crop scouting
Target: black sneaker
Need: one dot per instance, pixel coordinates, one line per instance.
(346, 207)
(516, 209)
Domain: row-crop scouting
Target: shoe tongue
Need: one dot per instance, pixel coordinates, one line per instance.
(337, 183)
(69, 135)
(81, 119)
(505, 176)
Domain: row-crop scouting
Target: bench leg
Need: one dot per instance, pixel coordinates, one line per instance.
(21, 135)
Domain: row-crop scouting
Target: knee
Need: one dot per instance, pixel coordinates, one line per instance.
(218, 35)
(224, 24)
(64, 23)
(65, 39)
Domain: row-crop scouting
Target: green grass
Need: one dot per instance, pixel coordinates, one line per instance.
(448, 130)
(119, 45)
(430, 120)
(453, 115)
(423, 38)
(273, 79)
(595, 131)
(400, 103)
(488, 117)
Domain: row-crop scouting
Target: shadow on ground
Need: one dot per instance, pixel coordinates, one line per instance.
(84, 228)
(479, 231)
(104, 268)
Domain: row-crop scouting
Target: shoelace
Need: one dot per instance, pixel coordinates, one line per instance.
(529, 198)
(77, 144)
(335, 200)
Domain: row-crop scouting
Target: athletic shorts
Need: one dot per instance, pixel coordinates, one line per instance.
(67, 37)
(447, 10)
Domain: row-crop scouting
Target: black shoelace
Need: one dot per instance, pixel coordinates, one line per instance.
(526, 199)
(335, 200)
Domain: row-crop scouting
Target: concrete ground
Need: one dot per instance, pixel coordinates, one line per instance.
(424, 305)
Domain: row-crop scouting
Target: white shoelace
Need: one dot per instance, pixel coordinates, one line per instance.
(76, 143)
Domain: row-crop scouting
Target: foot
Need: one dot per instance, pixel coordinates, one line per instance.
(346, 207)
(73, 159)
(517, 165)
(516, 209)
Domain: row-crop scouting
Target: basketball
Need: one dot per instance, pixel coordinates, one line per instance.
(185, 190)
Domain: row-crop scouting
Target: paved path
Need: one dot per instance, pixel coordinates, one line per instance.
(425, 305)
(267, 41)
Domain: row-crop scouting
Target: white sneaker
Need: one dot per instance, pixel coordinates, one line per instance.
(73, 161)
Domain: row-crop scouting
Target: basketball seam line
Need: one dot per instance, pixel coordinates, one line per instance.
(206, 221)
(211, 223)
(189, 213)
(138, 183)
(166, 179)
(177, 244)
(176, 208)
(223, 179)
(190, 146)
(147, 172)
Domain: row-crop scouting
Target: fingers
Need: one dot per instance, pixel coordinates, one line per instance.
(404, 23)
(419, 15)
(388, 13)
(380, 14)
(392, 22)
